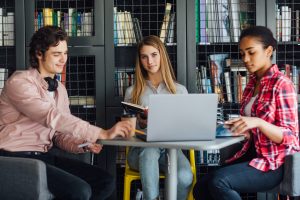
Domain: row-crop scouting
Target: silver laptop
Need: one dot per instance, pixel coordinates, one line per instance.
(181, 117)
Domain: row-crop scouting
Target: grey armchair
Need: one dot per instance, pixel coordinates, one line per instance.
(290, 184)
(22, 178)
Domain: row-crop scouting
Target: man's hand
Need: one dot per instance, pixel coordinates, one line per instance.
(121, 128)
(94, 148)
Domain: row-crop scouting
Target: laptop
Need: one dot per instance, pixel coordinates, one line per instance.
(181, 117)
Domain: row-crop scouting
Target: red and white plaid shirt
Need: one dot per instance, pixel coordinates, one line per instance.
(275, 103)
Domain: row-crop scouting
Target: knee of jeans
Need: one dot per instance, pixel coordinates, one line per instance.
(185, 177)
(217, 182)
(82, 192)
(149, 154)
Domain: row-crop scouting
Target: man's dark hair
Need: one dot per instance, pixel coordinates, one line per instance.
(264, 35)
(42, 40)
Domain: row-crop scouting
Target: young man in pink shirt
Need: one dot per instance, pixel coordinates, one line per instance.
(35, 114)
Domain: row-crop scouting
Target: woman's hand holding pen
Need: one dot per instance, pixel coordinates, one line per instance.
(242, 125)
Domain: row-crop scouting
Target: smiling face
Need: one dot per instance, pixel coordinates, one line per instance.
(53, 60)
(150, 59)
(256, 58)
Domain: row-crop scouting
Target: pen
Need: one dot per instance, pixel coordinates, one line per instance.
(84, 144)
(138, 131)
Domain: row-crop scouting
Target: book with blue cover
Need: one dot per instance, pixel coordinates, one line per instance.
(221, 131)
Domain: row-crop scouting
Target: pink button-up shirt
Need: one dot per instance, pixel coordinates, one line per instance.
(31, 119)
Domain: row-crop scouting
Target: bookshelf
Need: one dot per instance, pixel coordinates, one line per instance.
(11, 54)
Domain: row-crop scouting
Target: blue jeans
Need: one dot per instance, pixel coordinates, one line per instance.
(149, 161)
(226, 183)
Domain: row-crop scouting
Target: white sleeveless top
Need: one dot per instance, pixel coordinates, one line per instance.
(249, 106)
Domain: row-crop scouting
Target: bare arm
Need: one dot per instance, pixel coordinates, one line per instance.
(242, 124)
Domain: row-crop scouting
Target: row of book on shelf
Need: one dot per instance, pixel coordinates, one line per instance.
(123, 79)
(220, 20)
(285, 24)
(127, 29)
(74, 22)
(228, 77)
(7, 30)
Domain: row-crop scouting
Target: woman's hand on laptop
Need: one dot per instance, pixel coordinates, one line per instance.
(122, 128)
(142, 120)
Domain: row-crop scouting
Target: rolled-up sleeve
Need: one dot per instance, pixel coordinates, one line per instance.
(287, 112)
(68, 142)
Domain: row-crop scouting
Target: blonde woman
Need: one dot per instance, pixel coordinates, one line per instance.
(154, 75)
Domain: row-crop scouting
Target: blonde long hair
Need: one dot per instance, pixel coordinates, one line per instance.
(141, 74)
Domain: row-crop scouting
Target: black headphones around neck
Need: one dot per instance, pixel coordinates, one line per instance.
(52, 83)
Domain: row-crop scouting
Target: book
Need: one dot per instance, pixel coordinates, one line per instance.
(297, 39)
(137, 30)
(134, 108)
(115, 26)
(234, 10)
(1, 26)
(217, 64)
(48, 16)
(3, 77)
(171, 30)
(8, 29)
(164, 28)
(221, 131)
(82, 100)
(228, 86)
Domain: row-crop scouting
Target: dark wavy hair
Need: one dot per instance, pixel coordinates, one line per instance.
(263, 34)
(42, 40)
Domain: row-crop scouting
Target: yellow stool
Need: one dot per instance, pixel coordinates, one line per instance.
(131, 175)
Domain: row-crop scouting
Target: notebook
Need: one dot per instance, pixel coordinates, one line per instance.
(181, 117)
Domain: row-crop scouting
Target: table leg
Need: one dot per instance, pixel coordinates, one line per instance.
(171, 175)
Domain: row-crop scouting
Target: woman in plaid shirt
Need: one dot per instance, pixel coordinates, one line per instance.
(269, 121)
